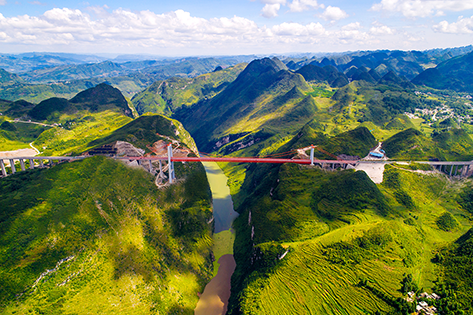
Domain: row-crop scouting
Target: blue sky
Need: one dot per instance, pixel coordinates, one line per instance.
(209, 27)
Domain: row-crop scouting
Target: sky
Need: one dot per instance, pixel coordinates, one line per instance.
(232, 27)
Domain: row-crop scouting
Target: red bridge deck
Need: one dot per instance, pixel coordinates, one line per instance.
(240, 160)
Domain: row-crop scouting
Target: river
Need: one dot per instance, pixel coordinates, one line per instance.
(214, 299)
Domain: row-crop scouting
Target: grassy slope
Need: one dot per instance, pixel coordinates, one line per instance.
(92, 114)
(411, 144)
(326, 259)
(130, 251)
(83, 127)
(18, 135)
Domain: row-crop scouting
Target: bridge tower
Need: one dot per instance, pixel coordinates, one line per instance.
(172, 175)
(312, 155)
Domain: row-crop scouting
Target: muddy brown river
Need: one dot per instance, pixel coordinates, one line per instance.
(214, 299)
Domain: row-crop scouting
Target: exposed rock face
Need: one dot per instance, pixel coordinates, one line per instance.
(127, 149)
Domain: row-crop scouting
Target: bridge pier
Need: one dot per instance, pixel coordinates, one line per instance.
(2, 165)
(31, 164)
(12, 165)
(41, 163)
(22, 164)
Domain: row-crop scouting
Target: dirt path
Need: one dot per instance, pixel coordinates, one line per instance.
(37, 151)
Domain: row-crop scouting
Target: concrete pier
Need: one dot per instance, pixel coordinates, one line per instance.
(2, 166)
(12, 165)
(22, 164)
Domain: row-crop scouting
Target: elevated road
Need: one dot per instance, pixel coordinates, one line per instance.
(451, 168)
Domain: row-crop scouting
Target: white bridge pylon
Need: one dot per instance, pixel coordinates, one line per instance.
(172, 173)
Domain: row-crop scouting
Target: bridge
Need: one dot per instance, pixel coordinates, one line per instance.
(457, 168)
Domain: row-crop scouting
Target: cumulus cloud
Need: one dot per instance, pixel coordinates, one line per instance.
(272, 7)
(462, 26)
(270, 10)
(380, 29)
(304, 5)
(176, 31)
(333, 14)
(422, 8)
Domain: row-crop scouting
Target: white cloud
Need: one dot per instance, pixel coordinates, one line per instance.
(304, 5)
(270, 10)
(380, 29)
(176, 32)
(422, 8)
(333, 14)
(462, 26)
(296, 29)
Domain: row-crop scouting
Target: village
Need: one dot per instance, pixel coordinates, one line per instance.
(423, 306)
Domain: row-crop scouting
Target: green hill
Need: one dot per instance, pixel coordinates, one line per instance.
(146, 130)
(99, 237)
(336, 230)
(168, 95)
(10, 78)
(98, 231)
(391, 78)
(453, 74)
(73, 72)
(46, 109)
(456, 282)
(100, 98)
(411, 144)
(19, 108)
(328, 74)
(401, 122)
(245, 105)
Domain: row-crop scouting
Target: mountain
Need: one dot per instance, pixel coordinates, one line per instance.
(328, 74)
(453, 74)
(131, 77)
(74, 72)
(99, 231)
(165, 96)
(305, 231)
(391, 78)
(46, 109)
(99, 98)
(403, 63)
(148, 129)
(32, 61)
(258, 95)
(18, 109)
(411, 144)
(6, 77)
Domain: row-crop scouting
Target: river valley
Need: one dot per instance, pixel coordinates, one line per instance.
(214, 299)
